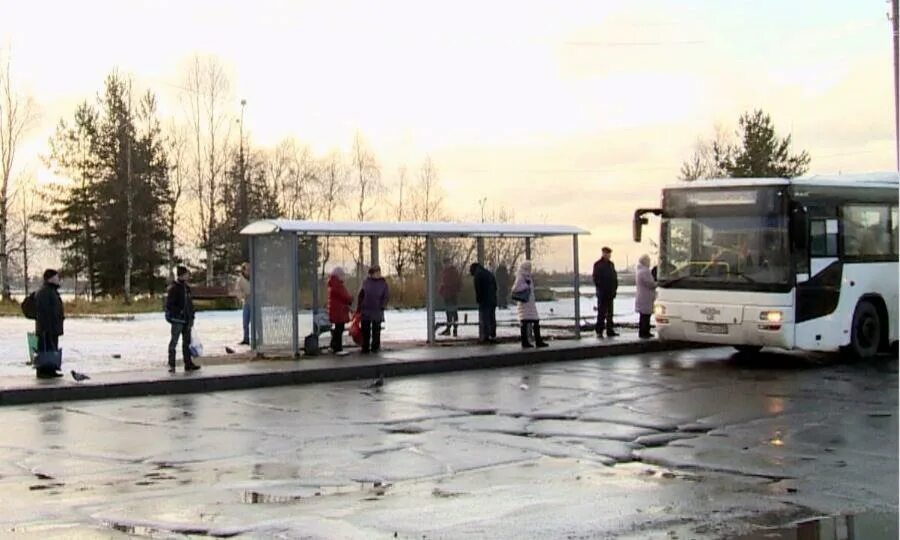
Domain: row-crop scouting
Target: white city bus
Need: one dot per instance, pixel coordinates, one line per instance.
(808, 263)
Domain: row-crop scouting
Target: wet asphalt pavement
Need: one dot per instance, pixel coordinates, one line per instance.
(696, 444)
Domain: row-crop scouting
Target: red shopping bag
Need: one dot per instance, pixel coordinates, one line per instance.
(355, 330)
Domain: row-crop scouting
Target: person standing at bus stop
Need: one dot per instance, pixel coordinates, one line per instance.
(645, 294)
(49, 320)
(449, 288)
(243, 292)
(486, 298)
(606, 282)
(373, 299)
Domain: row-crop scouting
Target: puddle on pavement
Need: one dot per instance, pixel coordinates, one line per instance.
(373, 488)
(867, 526)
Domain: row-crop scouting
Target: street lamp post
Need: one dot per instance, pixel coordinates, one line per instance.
(245, 248)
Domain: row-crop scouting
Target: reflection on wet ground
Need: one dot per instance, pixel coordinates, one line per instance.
(697, 444)
(862, 526)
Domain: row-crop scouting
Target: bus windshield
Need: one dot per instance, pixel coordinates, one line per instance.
(743, 252)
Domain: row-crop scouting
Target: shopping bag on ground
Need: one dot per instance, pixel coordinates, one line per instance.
(31, 342)
(196, 345)
(355, 330)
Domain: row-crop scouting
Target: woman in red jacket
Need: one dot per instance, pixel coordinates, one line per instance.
(339, 299)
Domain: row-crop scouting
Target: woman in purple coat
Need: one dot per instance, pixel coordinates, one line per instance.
(373, 298)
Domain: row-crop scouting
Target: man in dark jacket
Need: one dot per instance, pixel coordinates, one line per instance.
(606, 281)
(50, 316)
(486, 297)
(180, 314)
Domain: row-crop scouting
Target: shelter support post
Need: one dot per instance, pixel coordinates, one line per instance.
(373, 251)
(429, 286)
(314, 272)
(254, 306)
(528, 249)
(295, 294)
(576, 282)
(479, 249)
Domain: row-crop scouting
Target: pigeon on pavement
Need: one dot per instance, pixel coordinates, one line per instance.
(79, 376)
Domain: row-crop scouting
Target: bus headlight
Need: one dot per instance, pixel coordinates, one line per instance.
(659, 310)
(771, 316)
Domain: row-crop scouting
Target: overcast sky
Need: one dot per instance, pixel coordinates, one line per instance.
(568, 112)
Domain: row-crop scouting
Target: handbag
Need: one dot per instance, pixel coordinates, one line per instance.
(48, 360)
(355, 329)
(522, 295)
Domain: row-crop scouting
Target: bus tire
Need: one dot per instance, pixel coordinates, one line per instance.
(865, 332)
(748, 349)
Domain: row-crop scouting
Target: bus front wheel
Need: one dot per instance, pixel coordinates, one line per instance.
(748, 349)
(865, 334)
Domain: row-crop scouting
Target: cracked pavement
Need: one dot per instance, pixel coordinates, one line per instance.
(691, 444)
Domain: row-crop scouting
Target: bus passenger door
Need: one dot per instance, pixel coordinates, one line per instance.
(818, 287)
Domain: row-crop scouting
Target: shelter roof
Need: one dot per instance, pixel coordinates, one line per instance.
(409, 228)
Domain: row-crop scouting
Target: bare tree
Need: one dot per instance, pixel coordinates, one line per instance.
(706, 161)
(207, 91)
(332, 188)
(427, 205)
(295, 175)
(27, 203)
(176, 143)
(400, 256)
(367, 177)
(17, 115)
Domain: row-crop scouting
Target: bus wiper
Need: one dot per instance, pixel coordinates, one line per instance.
(743, 275)
(672, 281)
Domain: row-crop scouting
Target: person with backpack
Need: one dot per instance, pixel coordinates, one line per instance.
(46, 308)
(180, 314)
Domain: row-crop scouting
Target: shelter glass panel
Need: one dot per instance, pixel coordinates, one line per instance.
(273, 257)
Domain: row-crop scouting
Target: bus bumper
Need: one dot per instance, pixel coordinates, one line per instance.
(748, 332)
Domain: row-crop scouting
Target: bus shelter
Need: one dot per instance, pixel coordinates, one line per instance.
(276, 270)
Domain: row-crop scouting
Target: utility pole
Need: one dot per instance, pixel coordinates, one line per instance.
(129, 198)
(245, 242)
(894, 16)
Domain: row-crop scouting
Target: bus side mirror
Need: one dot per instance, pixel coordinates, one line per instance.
(799, 227)
(637, 227)
(639, 221)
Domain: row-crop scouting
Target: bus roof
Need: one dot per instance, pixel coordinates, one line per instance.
(876, 179)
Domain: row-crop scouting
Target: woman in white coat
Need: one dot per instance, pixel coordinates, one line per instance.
(523, 293)
(644, 296)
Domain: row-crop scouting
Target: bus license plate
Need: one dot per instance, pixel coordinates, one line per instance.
(706, 328)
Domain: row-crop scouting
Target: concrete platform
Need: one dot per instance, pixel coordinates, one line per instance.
(264, 373)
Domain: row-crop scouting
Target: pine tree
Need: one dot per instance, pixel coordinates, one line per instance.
(761, 153)
(758, 152)
(116, 200)
(72, 215)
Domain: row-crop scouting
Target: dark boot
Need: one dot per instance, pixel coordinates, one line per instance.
(538, 341)
(455, 329)
(525, 343)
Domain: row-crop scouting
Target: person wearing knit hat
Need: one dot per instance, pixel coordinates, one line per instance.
(180, 314)
(48, 325)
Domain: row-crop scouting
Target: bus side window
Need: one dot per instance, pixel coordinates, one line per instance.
(823, 238)
(895, 239)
